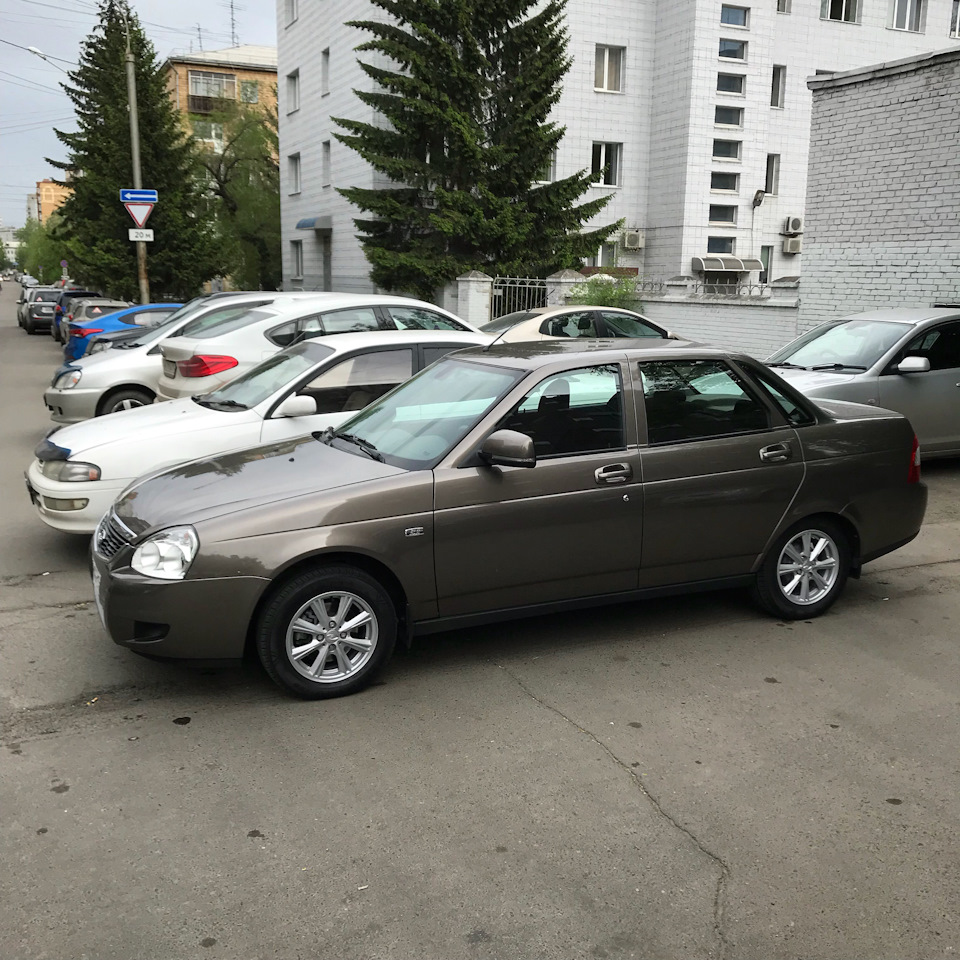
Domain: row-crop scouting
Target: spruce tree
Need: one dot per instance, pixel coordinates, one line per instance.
(467, 139)
(94, 223)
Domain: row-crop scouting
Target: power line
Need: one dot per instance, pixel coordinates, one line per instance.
(37, 87)
(48, 56)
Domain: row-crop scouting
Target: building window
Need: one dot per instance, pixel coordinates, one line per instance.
(728, 116)
(734, 16)
(293, 172)
(608, 70)
(734, 82)
(955, 20)
(766, 257)
(733, 49)
(771, 185)
(907, 15)
(208, 132)
(296, 259)
(726, 149)
(607, 157)
(548, 172)
(721, 213)
(325, 163)
(202, 83)
(845, 10)
(293, 91)
(324, 72)
(777, 86)
(606, 256)
(249, 91)
(783, 6)
(727, 182)
(292, 10)
(720, 244)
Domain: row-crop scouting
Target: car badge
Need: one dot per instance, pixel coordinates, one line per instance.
(413, 532)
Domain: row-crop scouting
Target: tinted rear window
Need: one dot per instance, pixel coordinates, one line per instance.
(506, 322)
(224, 319)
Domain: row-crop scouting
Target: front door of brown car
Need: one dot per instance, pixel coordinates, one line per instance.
(720, 469)
(568, 527)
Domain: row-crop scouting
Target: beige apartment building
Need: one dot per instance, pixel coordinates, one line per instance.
(50, 197)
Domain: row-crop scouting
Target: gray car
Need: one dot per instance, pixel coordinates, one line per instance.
(502, 482)
(904, 359)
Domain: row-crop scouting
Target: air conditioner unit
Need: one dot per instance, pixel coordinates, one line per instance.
(632, 239)
(793, 225)
(792, 244)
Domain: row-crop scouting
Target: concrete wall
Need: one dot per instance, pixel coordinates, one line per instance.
(883, 202)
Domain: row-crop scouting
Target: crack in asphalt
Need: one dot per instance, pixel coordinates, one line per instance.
(724, 875)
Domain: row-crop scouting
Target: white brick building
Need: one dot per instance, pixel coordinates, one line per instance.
(883, 201)
(696, 104)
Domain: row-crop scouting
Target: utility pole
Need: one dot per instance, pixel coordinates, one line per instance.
(135, 153)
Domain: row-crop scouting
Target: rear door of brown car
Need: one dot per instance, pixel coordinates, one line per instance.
(720, 468)
(568, 527)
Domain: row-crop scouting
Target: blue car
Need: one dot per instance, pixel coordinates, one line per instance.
(82, 333)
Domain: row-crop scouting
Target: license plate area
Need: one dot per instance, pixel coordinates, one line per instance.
(169, 368)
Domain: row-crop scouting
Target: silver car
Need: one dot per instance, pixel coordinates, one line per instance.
(904, 359)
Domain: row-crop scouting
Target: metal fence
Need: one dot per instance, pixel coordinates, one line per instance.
(511, 294)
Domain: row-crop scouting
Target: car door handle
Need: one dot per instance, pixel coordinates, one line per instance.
(776, 453)
(613, 473)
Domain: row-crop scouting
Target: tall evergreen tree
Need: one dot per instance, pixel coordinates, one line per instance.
(468, 138)
(95, 224)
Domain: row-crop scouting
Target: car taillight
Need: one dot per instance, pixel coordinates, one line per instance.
(84, 331)
(204, 366)
(914, 475)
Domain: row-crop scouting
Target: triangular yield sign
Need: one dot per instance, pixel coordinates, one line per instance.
(140, 212)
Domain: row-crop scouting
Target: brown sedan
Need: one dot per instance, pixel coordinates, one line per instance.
(502, 482)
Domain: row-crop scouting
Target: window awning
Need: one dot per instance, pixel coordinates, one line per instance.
(315, 223)
(735, 264)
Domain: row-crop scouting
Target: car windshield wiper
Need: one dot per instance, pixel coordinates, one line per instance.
(365, 445)
(205, 400)
(837, 366)
(789, 366)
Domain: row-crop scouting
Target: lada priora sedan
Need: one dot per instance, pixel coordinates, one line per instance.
(502, 482)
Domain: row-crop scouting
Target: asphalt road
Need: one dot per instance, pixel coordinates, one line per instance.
(684, 778)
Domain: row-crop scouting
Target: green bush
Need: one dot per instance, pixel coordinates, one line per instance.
(606, 291)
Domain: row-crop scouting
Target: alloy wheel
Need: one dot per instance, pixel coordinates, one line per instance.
(808, 566)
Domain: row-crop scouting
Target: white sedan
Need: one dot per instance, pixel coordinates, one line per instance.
(198, 363)
(79, 470)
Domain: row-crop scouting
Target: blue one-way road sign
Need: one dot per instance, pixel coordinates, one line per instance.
(138, 196)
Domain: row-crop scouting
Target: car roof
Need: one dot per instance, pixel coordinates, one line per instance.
(343, 342)
(912, 315)
(341, 301)
(543, 353)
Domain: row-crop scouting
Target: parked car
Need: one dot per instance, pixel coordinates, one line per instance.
(905, 359)
(78, 472)
(35, 308)
(126, 376)
(202, 361)
(63, 309)
(83, 329)
(27, 281)
(507, 481)
(572, 322)
(85, 313)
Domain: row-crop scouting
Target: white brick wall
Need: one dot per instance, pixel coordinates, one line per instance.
(883, 203)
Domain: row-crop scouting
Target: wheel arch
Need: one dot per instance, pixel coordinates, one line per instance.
(120, 388)
(840, 519)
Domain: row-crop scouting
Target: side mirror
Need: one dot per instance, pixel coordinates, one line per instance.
(913, 365)
(296, 406)
(507, 448)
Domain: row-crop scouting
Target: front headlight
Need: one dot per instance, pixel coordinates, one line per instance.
(99, 345)
(67, 380)
(167, 555)
(69, 470)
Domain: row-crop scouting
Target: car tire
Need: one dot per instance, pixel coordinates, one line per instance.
(124, 400)
(351, 658)
(789, 584)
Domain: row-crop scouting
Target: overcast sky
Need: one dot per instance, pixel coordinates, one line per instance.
(31, 102)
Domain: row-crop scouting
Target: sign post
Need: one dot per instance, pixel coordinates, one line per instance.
(63, 269)
(139, 204)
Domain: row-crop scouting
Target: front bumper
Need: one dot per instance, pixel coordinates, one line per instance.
(175, 619)
(44, 493)
(73, 405)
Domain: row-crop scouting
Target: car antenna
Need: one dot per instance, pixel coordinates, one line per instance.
(486, 349)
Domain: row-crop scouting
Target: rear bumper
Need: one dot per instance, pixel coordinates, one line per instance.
(893, 524)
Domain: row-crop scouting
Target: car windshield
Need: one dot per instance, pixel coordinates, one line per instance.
(419, 422)
(506, 321)
(155, 331)
(851, 344)
(266, 378)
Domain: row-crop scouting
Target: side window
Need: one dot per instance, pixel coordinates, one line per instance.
(582, 323)
(624, 325)
(353, 383)
(696, 400)
(283, 335)
(941, 346)
(577, 411)
(418, 318)
(350, 321)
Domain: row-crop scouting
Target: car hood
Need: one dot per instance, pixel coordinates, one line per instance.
(215, 486)
(814, 383)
